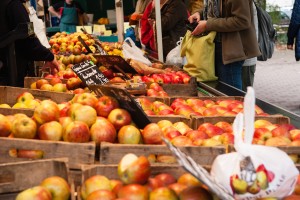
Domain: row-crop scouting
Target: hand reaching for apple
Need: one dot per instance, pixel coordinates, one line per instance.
(53, 65)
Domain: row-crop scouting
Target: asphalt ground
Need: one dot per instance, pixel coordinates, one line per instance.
(277, 80)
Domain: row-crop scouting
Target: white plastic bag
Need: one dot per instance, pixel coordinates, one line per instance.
(39, 27)
(254, 171)
(174, 57)
(133, 52)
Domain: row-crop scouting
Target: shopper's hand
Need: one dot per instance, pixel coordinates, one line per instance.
(289, 46)
(201, 27)
(53, 65)
(194, 17)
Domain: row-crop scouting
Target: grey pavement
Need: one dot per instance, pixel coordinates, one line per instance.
(277, 80)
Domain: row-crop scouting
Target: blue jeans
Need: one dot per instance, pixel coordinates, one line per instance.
(230, 73)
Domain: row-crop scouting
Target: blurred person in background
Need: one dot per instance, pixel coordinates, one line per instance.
(249, 65)
(68, 12)
(137, 15)
(235, 40)
(173, 16)
(293, 33)
(195, 6)
(12, 13)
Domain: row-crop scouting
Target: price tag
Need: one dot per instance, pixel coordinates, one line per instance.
(89, 73)
(126, 102)
(116, 62)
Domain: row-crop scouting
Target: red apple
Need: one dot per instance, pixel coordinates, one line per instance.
(196, 134)
(227, 138)
(78, 91)
(194, 102)
(182, 141)
(94, 183)
(119, 117)
(55, 80)
(134, 191)
(295, 134)
(165, 112)
(59, 87)
(116, 185)
(31, 154)
(171, 132)
(262, 133)
(145, 103)
(152, 93)
(281, 130)
(134, 169)
(278, 141)
(155, 86)
(105, 104)
(58, 187)
(46, 87)
(102, 194)
(227, 127)
(45, 112)
(24, 127)
(188, 180)
(177, 187)
(86, 114)
(152, 134)
(211, 111)
(76, 132)
(182, 127)
(210, 129)
(166, 178)
(41, 82)
(88, 99)
(163, 193)
(194, 193)
(5, 126)
(64, 121)
(36, 193)
(50, 131)
(73, 83)
(129, 134)
(103, 131)
(208, 103)
(25, 97)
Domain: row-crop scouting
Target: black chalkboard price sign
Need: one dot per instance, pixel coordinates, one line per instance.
(89, 73)
(126, 102)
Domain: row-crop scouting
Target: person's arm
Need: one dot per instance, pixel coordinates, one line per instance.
(239, 19)
(54, 12)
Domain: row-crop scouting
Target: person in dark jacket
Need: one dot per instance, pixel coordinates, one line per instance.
(68, 13)
(293, 33)
(235, 41)
(12, 13)
(173, 16)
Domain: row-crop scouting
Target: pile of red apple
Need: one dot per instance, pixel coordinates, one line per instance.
(63, 43)
(135, 182)
(71, 85)
(169, 77)
(53, 187)
(155, 90)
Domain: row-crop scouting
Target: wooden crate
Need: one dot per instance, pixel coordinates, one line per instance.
(9, 95)
(18, 176)
(12, 111)
(182, 89)
(275, 119)
(77, 153)
(112, 153)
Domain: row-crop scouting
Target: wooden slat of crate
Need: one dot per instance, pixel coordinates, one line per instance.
(77, 153)
(197, 121)
(182, 89)
(15, 177)
(172, 118)
(9, 95)
(29, 80)
(12, 111)
(112, 153)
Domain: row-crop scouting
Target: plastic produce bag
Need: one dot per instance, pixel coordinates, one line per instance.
(131, 51)
(39, 27)
(254, 171)
(174, 57)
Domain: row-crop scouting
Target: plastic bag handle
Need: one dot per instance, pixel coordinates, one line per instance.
(132, 44)
(249, 114)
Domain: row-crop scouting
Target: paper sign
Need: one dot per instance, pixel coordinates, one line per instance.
(87, 28)
(89, 73)
(108, 33)
(126, 102)
(99, 29)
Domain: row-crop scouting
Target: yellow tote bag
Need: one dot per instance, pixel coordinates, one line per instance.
(200, 55)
